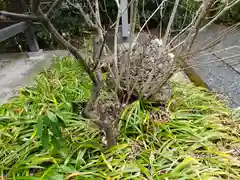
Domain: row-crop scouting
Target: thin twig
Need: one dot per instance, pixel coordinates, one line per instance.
(133, 15)
(54, 6)
(167, 33)
(156, 10)
(220, 14)
(48, 25)
(195, 29)
(207, 25)
(86, 17)
(213, 43)
(115, 58)
(210, 62)
(186, 29)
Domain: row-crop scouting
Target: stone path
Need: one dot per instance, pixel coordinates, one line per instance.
(17, 70)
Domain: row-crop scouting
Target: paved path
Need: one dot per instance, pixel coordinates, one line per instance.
(222, 74)
(17, 70)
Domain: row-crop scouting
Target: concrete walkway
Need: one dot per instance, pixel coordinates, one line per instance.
(221, 73)
(17, 70)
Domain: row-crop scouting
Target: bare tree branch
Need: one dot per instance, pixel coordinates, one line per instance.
(206, 5)
(134, 11)
(188, 42)
(90, 6)
(97, 15)
(115, 57)
(156, 10)
(17, 16)
(167, 33)
(86, 17)
(55, 4)
(48, 25)
(187, 45)
(220, 14)
(211, 62)
(88, 110)
(209, 23)
(133, 14)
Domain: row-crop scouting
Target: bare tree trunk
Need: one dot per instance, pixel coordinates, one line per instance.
(99, 52)
(88, 110)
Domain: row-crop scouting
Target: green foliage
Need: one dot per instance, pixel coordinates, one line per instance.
(231, 16)
(3, 4)
(52, 123)
(195, 140)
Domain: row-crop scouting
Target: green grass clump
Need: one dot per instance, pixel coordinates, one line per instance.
(197, 139)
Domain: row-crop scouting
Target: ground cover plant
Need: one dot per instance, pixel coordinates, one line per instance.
(140, 70)
(43, 137)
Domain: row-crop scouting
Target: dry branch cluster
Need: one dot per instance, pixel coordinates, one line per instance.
(140, 77)
(142, 73)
